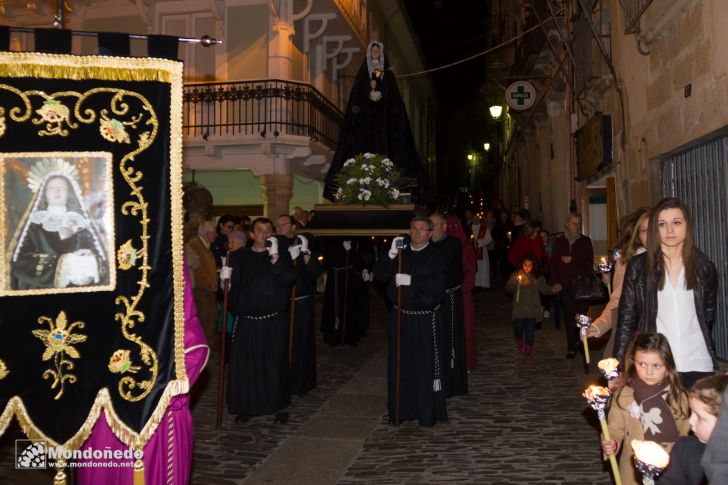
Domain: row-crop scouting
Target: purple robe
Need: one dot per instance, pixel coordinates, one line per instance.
(177, 418)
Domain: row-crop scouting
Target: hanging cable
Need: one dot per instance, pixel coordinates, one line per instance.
(485, 52)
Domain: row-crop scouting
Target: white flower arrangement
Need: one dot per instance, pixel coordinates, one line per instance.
(368, 178)
(375, 95)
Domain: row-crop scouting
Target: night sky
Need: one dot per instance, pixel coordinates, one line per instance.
(448, 31)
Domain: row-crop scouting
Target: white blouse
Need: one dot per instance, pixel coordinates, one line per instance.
(678, 321)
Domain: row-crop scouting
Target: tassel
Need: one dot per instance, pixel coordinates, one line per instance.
(436, 385)
(139, 472)
(60, 478)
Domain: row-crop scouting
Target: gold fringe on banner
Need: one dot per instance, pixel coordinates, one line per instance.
(32, 64)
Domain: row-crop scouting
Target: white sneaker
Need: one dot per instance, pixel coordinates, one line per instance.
(546, 314)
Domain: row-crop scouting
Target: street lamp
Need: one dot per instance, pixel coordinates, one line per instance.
(486, 146)
(495, 111)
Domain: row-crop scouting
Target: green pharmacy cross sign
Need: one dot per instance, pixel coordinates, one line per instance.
(520, 95)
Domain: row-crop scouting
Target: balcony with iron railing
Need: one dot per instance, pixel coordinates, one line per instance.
(261, 108)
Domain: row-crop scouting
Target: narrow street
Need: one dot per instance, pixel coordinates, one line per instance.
(523, 421)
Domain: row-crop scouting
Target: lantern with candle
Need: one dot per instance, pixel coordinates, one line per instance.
(598, 397)
(584, 322)
(605, 267)
(650, 459)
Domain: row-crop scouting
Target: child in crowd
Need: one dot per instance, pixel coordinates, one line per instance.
(525, 286)
(706, 396)
(649, 404)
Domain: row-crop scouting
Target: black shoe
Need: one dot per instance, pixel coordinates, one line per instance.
(571, 354)
(242, 418)
(281, 418)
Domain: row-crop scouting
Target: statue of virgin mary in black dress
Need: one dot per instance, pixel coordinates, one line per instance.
(376, 122)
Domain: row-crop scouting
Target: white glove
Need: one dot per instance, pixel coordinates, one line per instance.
(393, 249)
(402, 279)
(365, 275)
(225, 273)
(295, 251)
(304, 245)
(347, 245)
(273, 249)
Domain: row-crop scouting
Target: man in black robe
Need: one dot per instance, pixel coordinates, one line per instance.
(453, 322)
(302, 327)
(422, 284)
(261, 282)
(345, 312)
(376, 122)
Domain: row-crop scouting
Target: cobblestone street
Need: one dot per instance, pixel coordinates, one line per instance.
(524, 421)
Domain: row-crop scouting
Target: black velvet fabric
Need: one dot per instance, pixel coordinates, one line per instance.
(114, 44)
(163, 46)
(378, 127)
(53, 41)
(4, 38)
(19, 348)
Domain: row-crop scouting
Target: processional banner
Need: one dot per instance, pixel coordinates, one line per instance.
(91, 281)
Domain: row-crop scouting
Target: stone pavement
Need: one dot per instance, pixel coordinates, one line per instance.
(524, 421)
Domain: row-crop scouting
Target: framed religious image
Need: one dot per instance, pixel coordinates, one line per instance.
(56, 223)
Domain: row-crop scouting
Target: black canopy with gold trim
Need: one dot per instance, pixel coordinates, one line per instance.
(91, 306)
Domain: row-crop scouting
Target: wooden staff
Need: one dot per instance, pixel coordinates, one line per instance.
(221, 377)
(346, 297)
(291, 322)
(399, 333)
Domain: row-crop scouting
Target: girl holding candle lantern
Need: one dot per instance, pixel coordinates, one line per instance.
(650, 404)
(706, 397)
(526, 285)
(632, 242)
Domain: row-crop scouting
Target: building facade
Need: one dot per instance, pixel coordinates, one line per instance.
(631, 108)
(262, 110)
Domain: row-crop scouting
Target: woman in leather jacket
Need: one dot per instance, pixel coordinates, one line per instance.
(671, 289)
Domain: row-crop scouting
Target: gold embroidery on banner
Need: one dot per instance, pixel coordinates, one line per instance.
(120, 362)
(50, 66)
(113, 129)
(2, 122)
(127, 256)
(59, 342)
(3, 370)
(54, 114)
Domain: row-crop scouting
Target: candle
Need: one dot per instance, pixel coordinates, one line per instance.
(650, 459)
(609, 368)
(584, 322)
(597, 397)
(518, 288)
(605, 267)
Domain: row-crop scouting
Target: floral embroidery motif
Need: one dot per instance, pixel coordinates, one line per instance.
(54, 114)
(634, 410)
(59, 340)
(3, 370)
(127, 256)
(113, 130)
(120, 362)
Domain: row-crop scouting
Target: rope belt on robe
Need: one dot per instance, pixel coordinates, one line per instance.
(451, 293)
(250, 317)
(336, 294)
(436, 383)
